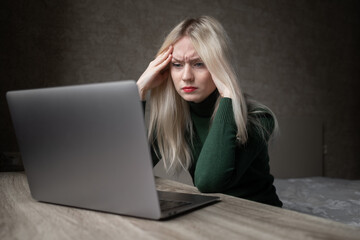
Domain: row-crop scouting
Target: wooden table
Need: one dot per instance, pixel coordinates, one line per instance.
(21, 217)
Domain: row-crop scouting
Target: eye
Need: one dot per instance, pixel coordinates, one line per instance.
(177, 65)
(199, 65)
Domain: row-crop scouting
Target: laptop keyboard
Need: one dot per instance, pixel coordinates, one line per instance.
(169, 204)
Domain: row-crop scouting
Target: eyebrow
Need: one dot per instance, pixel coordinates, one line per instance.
(191, 60)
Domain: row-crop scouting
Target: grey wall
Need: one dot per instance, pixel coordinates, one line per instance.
(301, 58)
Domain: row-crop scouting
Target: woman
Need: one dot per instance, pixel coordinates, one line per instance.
(200, 120)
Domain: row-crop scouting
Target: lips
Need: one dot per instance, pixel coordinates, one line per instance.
(189, 89)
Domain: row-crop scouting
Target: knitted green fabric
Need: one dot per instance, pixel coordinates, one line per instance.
(220, 163)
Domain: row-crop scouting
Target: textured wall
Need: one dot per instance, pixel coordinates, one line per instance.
(301, 58)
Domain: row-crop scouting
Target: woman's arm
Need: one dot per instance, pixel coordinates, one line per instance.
(152, 77)
(155, 73)
(154, 157)
(222, 161)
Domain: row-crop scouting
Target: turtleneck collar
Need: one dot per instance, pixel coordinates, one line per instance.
(206, 107)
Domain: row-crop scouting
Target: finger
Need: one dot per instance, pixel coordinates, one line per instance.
(169, 50)
(222, 88)
(163, 56)
(161, 66)
(166, 61)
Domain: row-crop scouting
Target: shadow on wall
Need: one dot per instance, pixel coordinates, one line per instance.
(31, 57)
(298, 151)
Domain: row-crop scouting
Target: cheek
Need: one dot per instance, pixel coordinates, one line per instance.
(175, 77)
(207, 81)
(211, 87)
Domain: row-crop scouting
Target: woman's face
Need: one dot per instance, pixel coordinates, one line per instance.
(191, 78)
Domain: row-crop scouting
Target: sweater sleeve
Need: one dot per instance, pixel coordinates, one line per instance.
(222, 161)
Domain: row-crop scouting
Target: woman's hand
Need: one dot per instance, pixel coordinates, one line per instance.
(155, 74)
(221, 87)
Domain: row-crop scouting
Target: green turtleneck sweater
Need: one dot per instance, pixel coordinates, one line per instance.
(222, 165)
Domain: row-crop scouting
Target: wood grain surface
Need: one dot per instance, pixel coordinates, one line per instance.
(22, 217)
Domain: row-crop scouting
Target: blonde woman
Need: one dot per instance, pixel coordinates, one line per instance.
(200, 120)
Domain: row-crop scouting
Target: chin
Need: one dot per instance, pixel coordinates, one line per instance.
(192, 99)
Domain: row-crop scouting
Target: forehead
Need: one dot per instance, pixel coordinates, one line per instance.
(184, 49)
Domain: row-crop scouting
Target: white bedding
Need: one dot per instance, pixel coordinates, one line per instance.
(335, 199)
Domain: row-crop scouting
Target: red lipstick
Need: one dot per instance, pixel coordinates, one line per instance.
(189, 89)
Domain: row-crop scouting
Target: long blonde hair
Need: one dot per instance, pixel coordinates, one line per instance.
(170, 125)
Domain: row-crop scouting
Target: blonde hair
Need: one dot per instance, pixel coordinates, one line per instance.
(170, 125)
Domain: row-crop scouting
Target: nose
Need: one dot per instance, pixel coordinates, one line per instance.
(187, 73)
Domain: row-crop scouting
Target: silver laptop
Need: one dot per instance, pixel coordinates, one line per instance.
(86, 146)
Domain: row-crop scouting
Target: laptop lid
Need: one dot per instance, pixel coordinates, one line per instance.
(86, 146)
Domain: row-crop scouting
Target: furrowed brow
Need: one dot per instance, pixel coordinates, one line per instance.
(197, 59)
(176, 60)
